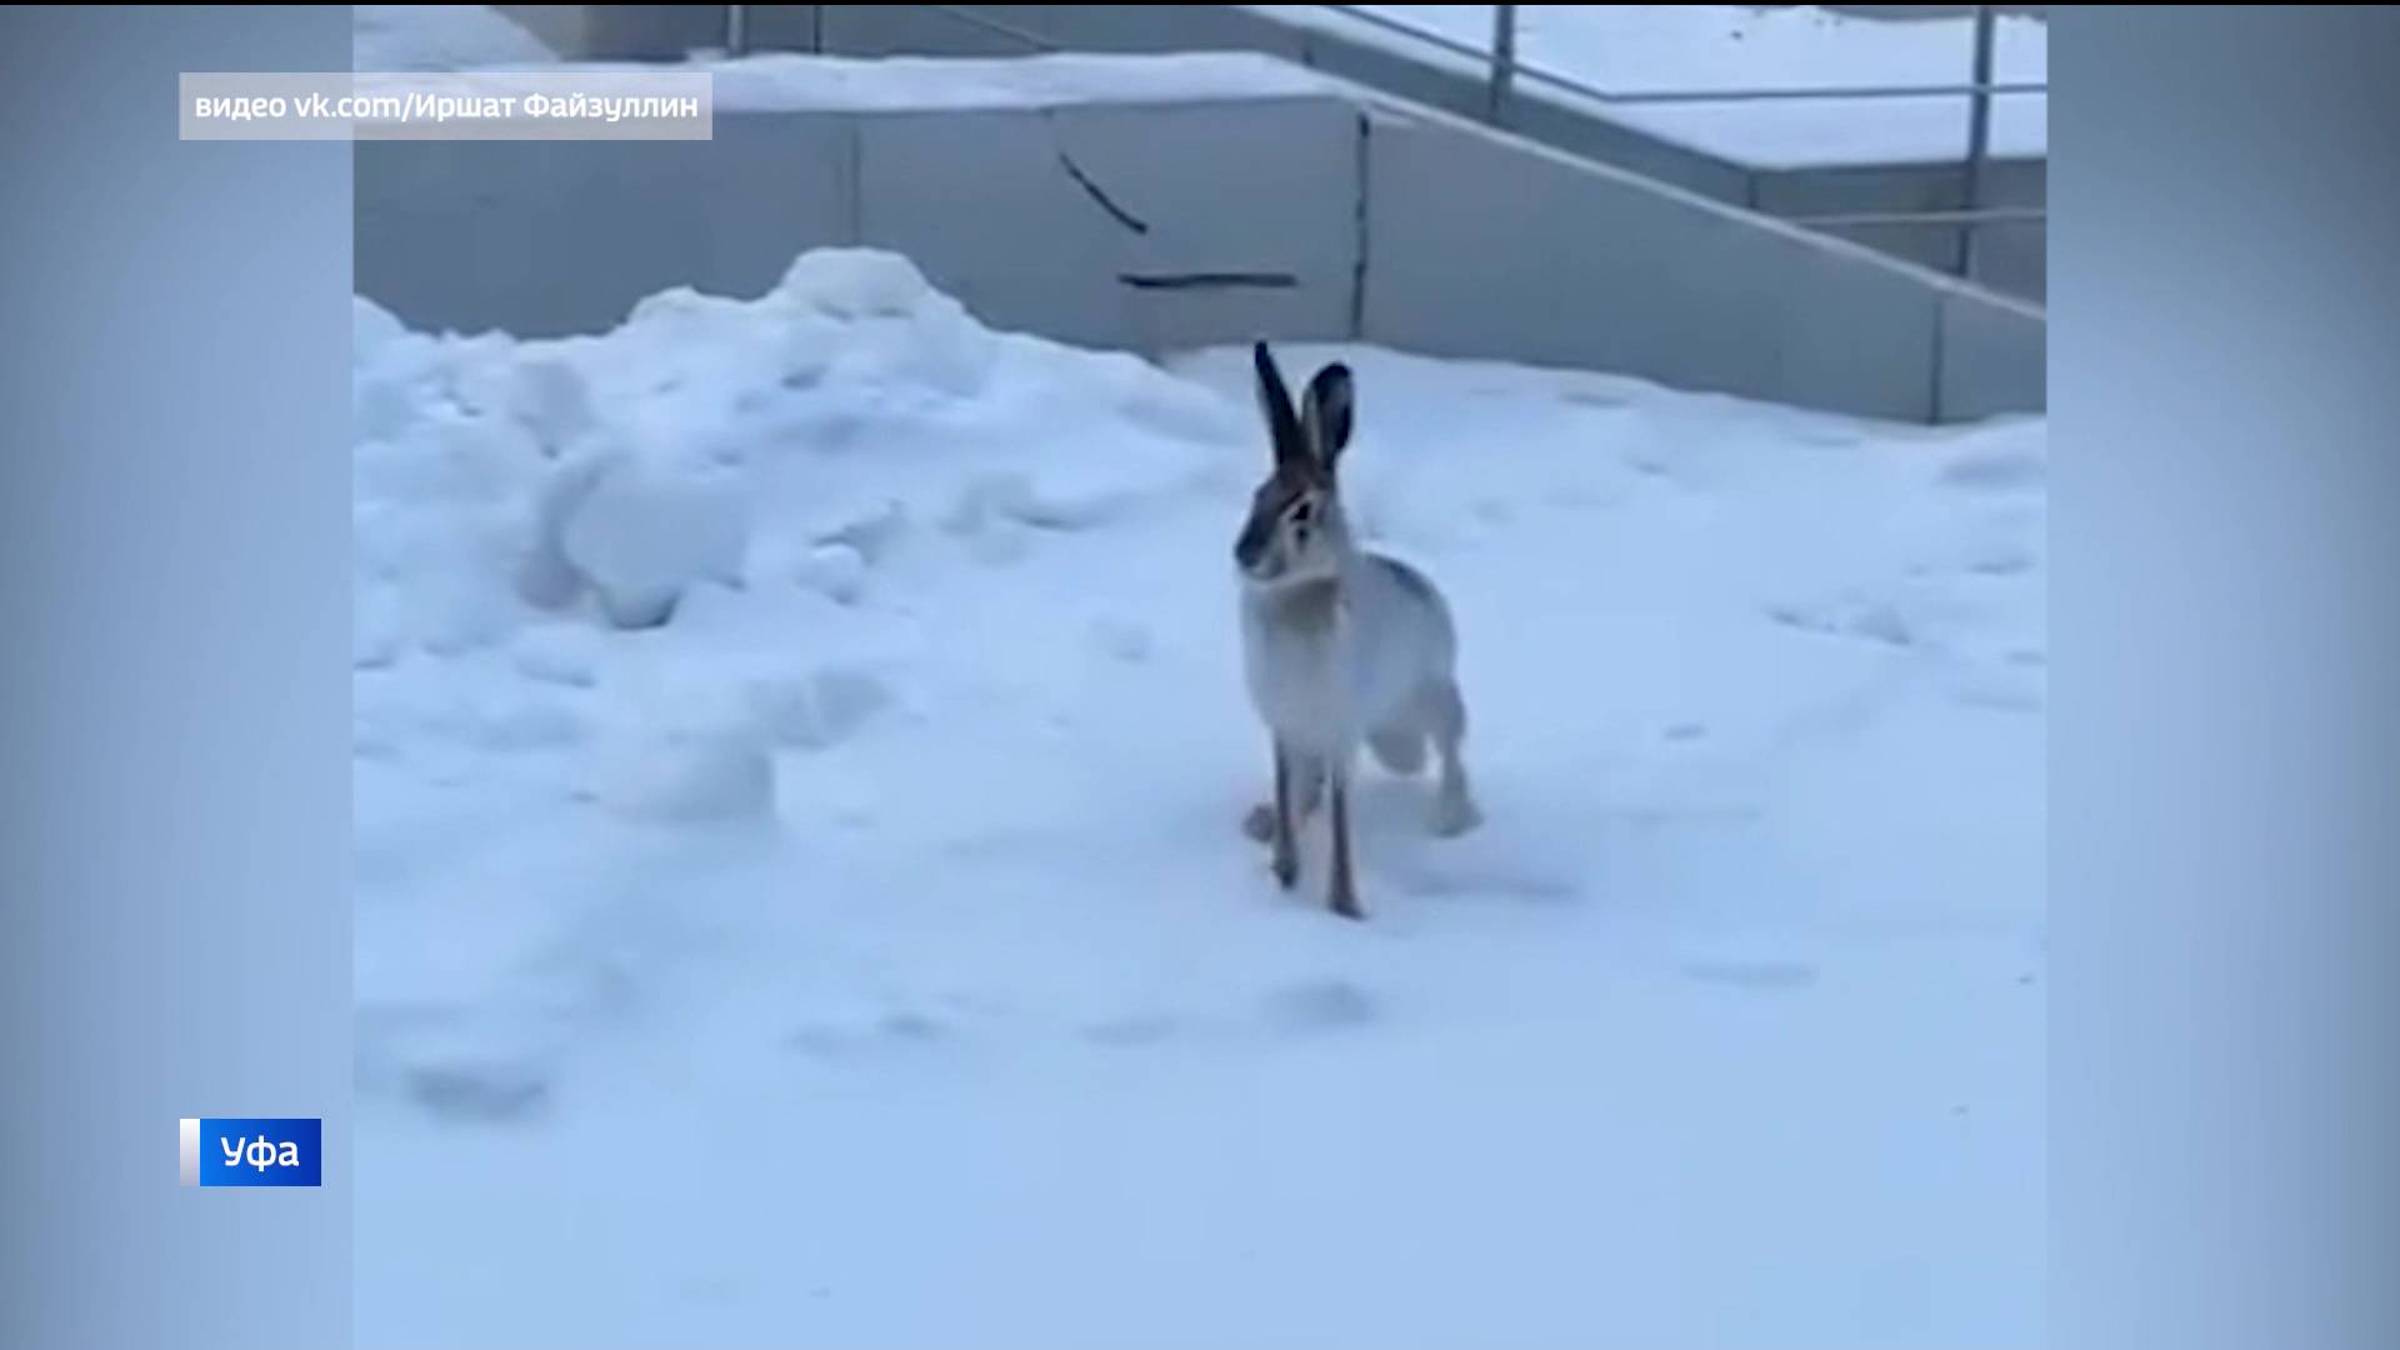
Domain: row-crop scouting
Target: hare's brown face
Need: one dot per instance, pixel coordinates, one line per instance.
(1289, 532)
(1295, 524)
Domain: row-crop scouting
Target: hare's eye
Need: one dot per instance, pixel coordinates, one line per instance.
(1300, 514)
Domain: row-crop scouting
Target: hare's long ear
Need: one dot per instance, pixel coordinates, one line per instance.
(1325, 413)
(1276, 402)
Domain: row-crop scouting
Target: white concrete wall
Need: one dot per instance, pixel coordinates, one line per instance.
(1231, 219)
(1238, 218)
(1993, 361)
(556, 237)
(2010, 258)
(1320, 221)
(880, 30)
(1476, 250)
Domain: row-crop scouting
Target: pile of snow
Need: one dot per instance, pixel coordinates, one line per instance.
(800, 755)
(439, 37)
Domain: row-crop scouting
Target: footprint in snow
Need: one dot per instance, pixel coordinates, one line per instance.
(1311, 1006)
(836, 1041)
(1994, 471)
(1127, 1032)
(486, 1093)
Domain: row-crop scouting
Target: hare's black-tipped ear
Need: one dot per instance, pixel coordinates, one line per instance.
(1325, 412)
(1276, 402)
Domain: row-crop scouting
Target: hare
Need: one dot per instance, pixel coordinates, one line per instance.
(1339, 645)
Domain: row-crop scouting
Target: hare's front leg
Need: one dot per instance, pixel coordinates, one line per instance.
(1341, 893)
(1306, 791)
(1287, 851)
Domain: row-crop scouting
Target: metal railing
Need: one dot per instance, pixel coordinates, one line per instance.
(988, 24)
(1506, 67)
(1507, 70)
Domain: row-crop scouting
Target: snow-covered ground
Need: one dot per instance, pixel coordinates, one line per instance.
(870, 956)
(1627, 49)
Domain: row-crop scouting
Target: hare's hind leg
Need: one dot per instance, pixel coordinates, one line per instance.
(1454, 810)
(1400, 747)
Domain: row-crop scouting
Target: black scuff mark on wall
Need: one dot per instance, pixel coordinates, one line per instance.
(1208, 281)
(1093, 190)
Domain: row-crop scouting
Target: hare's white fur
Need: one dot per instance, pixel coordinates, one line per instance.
(1341, 646)
(1361, 654)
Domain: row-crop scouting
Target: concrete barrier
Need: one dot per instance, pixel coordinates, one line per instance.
(1476, 250)
(1153, 226)
(2011, 259)
(1993, 360)
(1148, 228)
(544, 239)
(1142, 227)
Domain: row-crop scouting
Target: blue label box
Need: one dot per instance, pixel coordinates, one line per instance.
(252, 1151)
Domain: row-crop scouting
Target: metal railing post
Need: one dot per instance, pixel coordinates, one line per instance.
(1979, 138)
(1504, 61)
(737, 30)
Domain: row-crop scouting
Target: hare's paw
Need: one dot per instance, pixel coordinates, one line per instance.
(1260, 823)
(1454, 813)
(1287, 867)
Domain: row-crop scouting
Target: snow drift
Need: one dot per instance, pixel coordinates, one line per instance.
(803, 738)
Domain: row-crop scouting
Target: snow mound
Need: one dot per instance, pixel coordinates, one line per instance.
(819, 718)
(684, 776)
(641, 534)
(784, 442)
